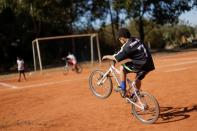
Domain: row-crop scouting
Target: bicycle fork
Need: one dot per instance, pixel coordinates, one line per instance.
(103, 78)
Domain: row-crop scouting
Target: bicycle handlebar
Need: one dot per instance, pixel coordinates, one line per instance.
(111, 62)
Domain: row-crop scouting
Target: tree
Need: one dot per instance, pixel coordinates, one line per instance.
(162, 11)
(170, 10)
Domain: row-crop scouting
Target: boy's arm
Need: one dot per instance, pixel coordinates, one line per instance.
(121, 54)
(111, 57)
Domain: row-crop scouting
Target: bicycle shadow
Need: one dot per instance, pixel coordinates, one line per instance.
(173, 114)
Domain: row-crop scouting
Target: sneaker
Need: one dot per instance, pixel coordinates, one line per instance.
(122, 92)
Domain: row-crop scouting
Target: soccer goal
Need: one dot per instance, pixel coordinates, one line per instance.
(93, 44)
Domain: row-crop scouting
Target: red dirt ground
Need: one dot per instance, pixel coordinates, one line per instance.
(54, 102)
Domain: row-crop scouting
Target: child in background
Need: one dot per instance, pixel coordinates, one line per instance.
(21, 68)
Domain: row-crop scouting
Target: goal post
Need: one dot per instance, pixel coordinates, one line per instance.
(36, 47)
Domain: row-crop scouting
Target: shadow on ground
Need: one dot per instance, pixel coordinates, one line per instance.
(173, 114)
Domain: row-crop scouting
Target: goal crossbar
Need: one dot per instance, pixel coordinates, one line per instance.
(35, 44)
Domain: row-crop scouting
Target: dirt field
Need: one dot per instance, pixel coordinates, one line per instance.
(54, 102)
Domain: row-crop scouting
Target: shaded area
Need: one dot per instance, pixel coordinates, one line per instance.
(173, 114)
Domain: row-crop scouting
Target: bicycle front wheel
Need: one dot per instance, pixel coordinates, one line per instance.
(65, 70)
(101, 87)
(150, 111)
(78, 68)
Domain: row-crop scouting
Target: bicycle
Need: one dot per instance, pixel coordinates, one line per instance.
(144, 106)
(67, 67)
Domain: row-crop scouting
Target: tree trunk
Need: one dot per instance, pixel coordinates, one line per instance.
(141, 28)
(117, 20)
(112, 25)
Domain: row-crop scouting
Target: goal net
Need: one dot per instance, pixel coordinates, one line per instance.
(48, 51)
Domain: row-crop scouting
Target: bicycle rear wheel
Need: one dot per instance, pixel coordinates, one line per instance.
(151, 110)
(100, 87)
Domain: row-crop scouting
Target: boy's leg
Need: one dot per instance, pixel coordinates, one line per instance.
(19, 78)
(138, 84)
(70, 62)
(75, 66)
(122, 78)
(139, 77)
(122, 88)
(24, 76)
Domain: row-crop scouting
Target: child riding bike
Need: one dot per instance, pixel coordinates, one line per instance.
(71, 60)
(141, 64)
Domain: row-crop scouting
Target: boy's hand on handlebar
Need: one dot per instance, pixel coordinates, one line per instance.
(109, 57)
(105, 57)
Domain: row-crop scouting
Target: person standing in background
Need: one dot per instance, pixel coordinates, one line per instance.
(21, 68)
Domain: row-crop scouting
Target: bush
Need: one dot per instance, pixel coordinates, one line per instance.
(155, 38)
(168, 36)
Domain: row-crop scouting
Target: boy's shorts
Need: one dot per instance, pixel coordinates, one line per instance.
(72, 62)
(130, 67)
(21, 71)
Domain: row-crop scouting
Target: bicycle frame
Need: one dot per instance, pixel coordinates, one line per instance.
(111, 70)
(132, 84)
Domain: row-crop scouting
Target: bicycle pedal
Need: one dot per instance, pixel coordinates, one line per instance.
(127, 101)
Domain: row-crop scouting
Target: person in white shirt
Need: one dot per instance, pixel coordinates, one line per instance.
(21, 68)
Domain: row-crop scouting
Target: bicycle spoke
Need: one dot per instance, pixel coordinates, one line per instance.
(150, 112)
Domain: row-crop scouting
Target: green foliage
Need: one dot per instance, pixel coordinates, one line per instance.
(162, 36)
(169, 11)
(155, 38)
(160, 11)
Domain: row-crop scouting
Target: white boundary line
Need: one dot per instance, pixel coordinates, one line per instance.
(180, 63)
(36, 85)
(179, 69)
(44, 84)
(48, 83)
(8, 85)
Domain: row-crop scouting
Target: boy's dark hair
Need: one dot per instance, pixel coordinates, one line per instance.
(123, 32)
(18, 58)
